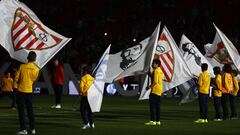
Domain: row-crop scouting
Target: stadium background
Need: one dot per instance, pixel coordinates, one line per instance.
(87, 21)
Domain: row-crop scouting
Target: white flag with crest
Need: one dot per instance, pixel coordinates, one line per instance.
(222, 51)
(193, 57)
(95, 92)
(22, 31)
(134, 60)
(173, 65)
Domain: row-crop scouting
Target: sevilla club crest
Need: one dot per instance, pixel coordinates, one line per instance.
(221, 54)
(165, 53)
(30, 35)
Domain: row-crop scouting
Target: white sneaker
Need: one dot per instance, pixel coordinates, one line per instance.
(22, 132)
(33, 132)
(92, 125)
(58, 106)
(217, 120)
(86, 126)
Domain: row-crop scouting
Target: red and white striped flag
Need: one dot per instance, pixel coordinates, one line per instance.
(173, 65)
(28, 34)
(22, 31)
(164, 52)
(222, 51)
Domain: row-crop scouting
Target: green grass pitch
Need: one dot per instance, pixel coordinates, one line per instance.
(119, 116)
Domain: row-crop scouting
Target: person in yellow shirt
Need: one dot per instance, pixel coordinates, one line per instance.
(227, 87)
(217, 93)
(203, 92)
(86, 113)
(23, 81)
(235, 83)
(156, 93)
(232, 96)
(7, 88)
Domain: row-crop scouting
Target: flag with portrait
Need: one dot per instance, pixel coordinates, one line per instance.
(134, 60)
(193, 57)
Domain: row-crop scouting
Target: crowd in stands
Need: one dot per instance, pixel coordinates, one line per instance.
(94, 24)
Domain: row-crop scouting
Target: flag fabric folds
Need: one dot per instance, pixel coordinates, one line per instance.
(222, 51)
(189, 91)
(95, 92)
(134, 60)
(22, 31)
(193, 57)
(173, 65)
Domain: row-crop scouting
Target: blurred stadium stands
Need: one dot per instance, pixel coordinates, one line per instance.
(86, 21)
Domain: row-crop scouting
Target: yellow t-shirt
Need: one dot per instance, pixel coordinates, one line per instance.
(157, 82)
(7, 84)
(227, 86)
(217, 92)
(25, 76)
(86, 82)
(204, 82)
(236, 86)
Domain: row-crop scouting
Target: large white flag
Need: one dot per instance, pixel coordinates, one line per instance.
(222, 51)
(95, 92)
(173, 65)
(134, 60)
(193, 57)
(21, 31)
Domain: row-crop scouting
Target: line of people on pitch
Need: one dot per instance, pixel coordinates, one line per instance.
(225, 88)
(156, 87)
(20, 89)
(57, 79)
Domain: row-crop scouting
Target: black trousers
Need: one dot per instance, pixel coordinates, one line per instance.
(154, 103)
(85, 110)
(203, 104)
(58, 89)
(233, 106)
(224, 100)
(11, 95)
(25, 99)
(217, 106)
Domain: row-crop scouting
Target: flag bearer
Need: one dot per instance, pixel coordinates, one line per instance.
(232, 96)
(217, 93)
(203, 92)
(227, 87)
(86, 113)
(24, 78)
(156, 93)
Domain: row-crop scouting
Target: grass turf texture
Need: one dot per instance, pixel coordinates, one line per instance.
(119, 116)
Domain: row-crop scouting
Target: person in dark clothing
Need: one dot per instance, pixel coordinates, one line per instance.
(57, 76)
